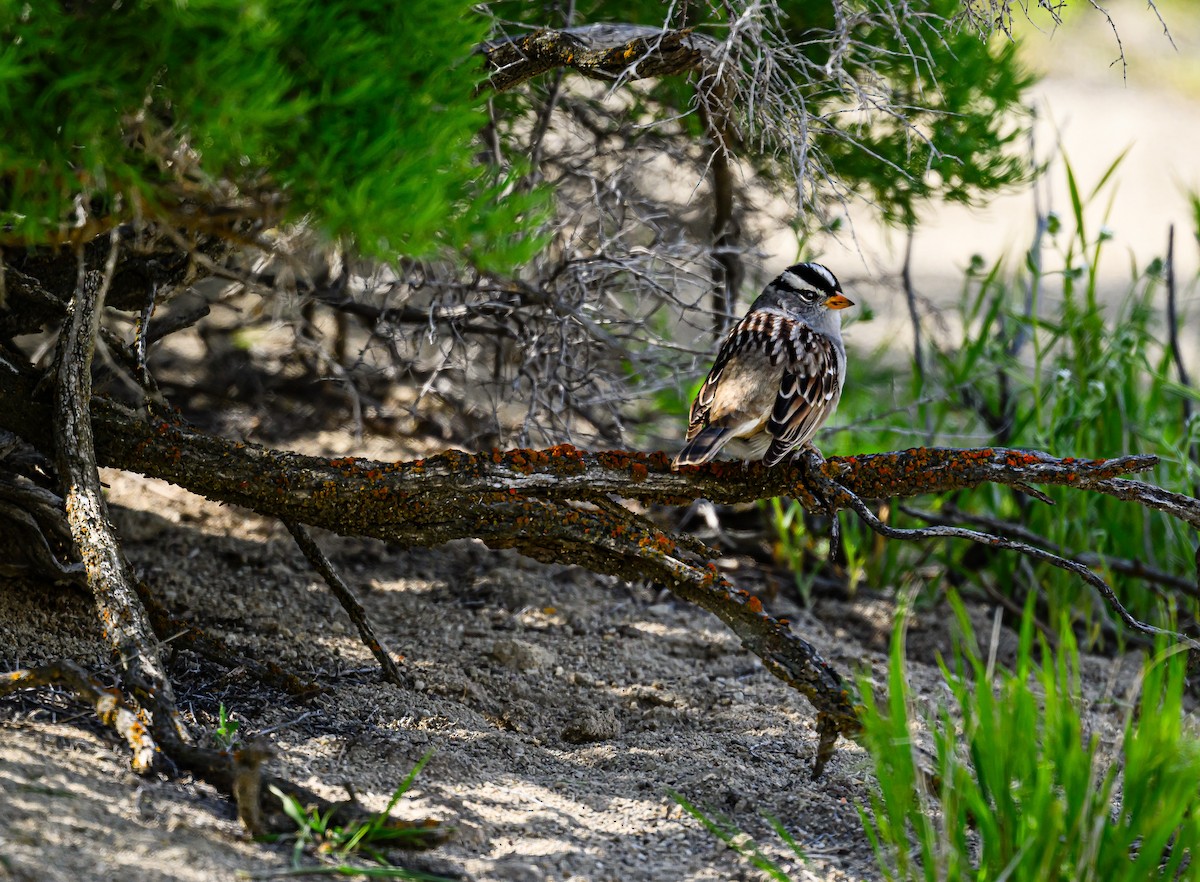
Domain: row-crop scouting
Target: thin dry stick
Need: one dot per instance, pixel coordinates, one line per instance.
(952, 515)
(727, 268)
(910, 294)
(1176, 352)
(914, 316)
(346, 598)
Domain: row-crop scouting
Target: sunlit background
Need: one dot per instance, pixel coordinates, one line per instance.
(1090, 109)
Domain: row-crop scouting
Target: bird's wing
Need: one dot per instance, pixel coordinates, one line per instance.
(808, 391)
(741, 386)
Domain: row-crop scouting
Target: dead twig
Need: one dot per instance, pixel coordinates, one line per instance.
(358, 614)
(107, 703)
(952, 515)
(914, 317)
(1176, 351)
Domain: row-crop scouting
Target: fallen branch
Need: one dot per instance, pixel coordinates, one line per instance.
(556, 505)
(127, 625)
(107, 703)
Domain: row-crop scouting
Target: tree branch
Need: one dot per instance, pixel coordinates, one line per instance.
(599, 51)
(554, 505)
(951, 515)
(840, 497)
(107, 704)
(126, 625)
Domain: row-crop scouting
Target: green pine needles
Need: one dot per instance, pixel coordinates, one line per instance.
(359, 115)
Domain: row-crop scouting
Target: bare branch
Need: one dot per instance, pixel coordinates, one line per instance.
(599, 51)
(349, 602)
(845, 498)
(109, 578)
(952, 515)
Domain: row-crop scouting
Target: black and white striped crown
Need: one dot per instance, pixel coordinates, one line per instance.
(809, 276)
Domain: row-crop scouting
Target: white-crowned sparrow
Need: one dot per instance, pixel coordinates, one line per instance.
(778, 374)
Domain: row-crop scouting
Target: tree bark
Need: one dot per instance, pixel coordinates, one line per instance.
(109, 578)
(599, 51)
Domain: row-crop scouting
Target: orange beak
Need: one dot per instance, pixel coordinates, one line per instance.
(838, 301)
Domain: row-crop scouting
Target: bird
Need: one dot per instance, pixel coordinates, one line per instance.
(778, 374)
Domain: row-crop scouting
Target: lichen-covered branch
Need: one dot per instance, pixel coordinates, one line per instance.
(107, 703)
(125, 623)
(599, 51)
(555, 505)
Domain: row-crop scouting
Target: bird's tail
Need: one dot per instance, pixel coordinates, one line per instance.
(702, 448)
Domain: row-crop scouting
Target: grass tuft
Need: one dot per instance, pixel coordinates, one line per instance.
(337, 845)
(1018, 790)
(742, 843)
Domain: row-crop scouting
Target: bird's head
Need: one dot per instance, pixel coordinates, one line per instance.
(813, 285)
(808, 291)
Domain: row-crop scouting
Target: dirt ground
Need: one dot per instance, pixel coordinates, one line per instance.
(562, 708)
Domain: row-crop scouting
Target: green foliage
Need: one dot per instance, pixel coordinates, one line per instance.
(316, 832)
(1041, 362)
(959, 115)
(1020, 791)
(795, 545)
(226, 733)
(359, 114)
